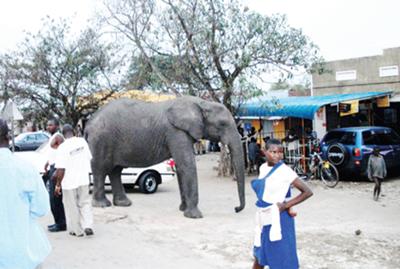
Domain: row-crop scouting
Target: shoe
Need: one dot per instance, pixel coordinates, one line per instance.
(57, 228)
(89, 231)
(74, 234)
(51, 226)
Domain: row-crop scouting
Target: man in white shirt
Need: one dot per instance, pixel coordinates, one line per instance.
(72, 174)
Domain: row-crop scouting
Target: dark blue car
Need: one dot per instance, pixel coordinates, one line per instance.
(349, 148)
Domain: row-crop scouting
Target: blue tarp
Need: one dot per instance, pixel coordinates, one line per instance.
(298, 106)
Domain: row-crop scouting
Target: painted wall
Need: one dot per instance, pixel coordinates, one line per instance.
(319, 122)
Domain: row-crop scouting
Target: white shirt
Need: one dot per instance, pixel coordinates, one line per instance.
(277, 184)
(275, 190)
(74, 156)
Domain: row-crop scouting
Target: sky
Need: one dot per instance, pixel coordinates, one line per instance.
(340, 28)
(20, 16)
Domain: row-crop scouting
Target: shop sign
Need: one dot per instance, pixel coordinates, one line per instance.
(348, 107)
(383, 101)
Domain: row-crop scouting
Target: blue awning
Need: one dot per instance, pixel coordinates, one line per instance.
(298, 106)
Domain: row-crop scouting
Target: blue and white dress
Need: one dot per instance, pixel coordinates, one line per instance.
(275, 237)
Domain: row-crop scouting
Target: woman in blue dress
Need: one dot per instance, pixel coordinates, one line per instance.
(275, 238)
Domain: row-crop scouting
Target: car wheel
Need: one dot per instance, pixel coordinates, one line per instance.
(148, 182)
(337, 154)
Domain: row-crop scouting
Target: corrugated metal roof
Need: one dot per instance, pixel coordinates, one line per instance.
(298, 106)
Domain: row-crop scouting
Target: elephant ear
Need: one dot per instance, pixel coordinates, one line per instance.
(187, 117)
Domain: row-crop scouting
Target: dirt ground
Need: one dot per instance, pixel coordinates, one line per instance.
(153, 233)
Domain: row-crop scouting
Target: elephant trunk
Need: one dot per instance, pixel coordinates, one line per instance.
(236, 150)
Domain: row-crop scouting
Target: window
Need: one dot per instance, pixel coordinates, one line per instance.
(30, 138)
(347, 138)
(370, 138)
(388, 71)
(41, 137)
(346, 75)
(386, 138)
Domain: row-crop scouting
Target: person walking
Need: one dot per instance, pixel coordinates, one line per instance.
(56, 203)
(23, 199)
(72, 173)
(275, 238)
(376, 171)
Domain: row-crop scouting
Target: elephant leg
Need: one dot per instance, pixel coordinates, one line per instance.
(119, 195)
(183, 206)
(99, 198)
(181, 151)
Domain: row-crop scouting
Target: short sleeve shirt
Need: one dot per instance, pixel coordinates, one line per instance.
(74, 156)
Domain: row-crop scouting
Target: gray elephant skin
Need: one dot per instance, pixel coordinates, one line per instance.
(130, 133)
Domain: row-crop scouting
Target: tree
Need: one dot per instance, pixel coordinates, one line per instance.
(53, 71)
(280, 85)
(215, 48)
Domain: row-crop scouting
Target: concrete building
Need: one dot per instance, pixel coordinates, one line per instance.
(366, 74)
(379, 73)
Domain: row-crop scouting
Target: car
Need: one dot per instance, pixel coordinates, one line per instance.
(29, 140)
(146, 178)
(349, 148)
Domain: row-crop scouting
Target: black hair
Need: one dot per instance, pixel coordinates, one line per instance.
(271, 142)
(253, 139)
(3, 131)
(67, 128)
(55, 121)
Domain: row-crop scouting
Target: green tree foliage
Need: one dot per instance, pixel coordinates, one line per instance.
(280, 85)
(55, 73)
(209, 48)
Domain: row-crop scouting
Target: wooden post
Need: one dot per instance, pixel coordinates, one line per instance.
(303, 142)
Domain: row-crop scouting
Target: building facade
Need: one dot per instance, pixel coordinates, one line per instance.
(365, 74)
(377, 73)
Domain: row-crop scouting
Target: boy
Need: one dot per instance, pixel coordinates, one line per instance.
(376, 171)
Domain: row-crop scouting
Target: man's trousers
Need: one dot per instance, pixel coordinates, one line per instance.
(78, 209)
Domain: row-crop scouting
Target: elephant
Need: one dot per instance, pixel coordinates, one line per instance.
(131, 133)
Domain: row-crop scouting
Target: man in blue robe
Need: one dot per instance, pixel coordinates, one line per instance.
(23, 199)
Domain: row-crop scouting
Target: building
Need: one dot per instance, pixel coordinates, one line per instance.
(365, 74)
(379, 73)
(320, 113)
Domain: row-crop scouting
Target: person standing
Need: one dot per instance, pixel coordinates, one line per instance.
(23, 199)
(56, 203)
(275, 238)
(253, 154)
(376, 171)
(72, 173)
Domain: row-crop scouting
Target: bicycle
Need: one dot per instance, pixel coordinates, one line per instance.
(319, 168)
